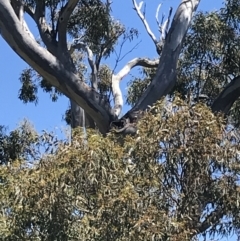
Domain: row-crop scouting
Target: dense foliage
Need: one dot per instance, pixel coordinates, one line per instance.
(19, 144)
(179, 177)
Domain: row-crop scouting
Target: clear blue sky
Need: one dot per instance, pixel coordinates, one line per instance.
(48, 115)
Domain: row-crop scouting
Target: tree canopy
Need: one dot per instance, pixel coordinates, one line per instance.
(175, 177)
(176, 180)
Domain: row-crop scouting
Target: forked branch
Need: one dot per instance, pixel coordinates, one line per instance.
(137, 8)
(165, 78)
(51, 68)
(43, 28)
(63, 21)
(117, 93)
(81, 45)
(29, 11)
(19, 9)
(163, 26)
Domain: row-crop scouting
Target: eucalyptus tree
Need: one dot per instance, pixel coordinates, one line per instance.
(208, 66)
(59, 61)
(185, 188)
(177, 179)
(52, 57)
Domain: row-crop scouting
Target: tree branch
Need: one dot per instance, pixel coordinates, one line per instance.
(52, 69)
(164, 26)
(227, 97)
(43, 28)
(147, 63)
(165, 77)
(117, 93)
(84, 46)
(156, 16)
(18, 7)
(63, 21)
(91, 62)
(29, 11)
(211, 220)
(137, 8)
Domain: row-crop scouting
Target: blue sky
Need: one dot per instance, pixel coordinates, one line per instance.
(48, 115)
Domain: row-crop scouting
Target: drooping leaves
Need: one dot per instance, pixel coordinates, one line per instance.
(178, 178)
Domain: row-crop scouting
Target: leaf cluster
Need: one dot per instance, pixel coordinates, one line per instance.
(17, 145)
(176, 179)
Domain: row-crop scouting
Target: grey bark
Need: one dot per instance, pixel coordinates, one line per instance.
(165, 78)
(54, 68)
(54, 62)
(77, 115)
(77, 110)
(227, 97)
(79, 118)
